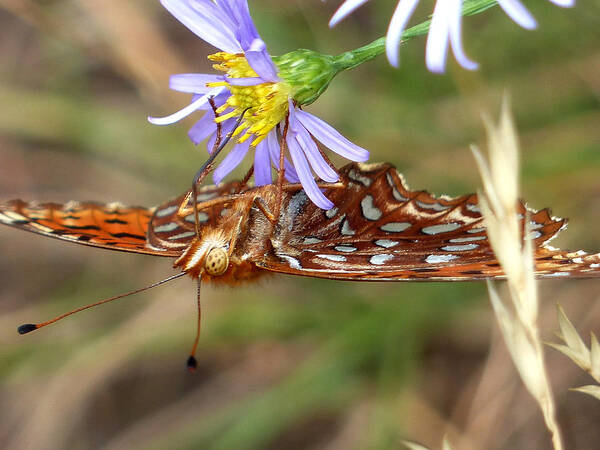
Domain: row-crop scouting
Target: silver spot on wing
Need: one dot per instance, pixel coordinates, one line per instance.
(202, 217)
(395, 227)
(535, 226)
(184, 235)
(353, 175)
(337, 258)
(557, 274)
(293, 262)
(476, 230)
(166, 211)
(386, 243)
(379, 260)
(345, 248)
(311, 240)
(467, 239)
(433, 259)
(166, 227)
(459, 248)
(473, 207)
(346, 230)
(368, 208)
(441, 228)
(434, 206)
(331, 212)
(397, 195)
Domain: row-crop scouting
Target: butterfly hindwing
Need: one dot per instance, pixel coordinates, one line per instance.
(381, 230)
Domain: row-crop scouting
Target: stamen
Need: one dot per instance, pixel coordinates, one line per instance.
(266, 103)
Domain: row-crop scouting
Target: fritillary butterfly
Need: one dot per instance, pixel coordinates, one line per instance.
(379, 231)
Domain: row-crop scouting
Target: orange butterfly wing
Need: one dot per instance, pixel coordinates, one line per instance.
(111, 226)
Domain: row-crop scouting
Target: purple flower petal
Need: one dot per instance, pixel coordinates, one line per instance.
(231, 161)
(260, 61)
(331, 138)
(344, 11)
(226, 128)
(219, 100)
(262, 164)
(518, 13)
(404, 10)
(189, 109)
(315, 159)
(202, 128)
(210, 143)
(238, 11)
(194, 83)
(306, 178)
(274, 149)
(206, 20)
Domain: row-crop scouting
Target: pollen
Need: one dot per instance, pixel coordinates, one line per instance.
(266, 103)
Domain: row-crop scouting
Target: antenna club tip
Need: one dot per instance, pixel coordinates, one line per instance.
(192, 364)
(27, 328)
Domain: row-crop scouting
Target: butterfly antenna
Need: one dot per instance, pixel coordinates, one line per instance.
(207, 166)
(29, 327)
(192, 363)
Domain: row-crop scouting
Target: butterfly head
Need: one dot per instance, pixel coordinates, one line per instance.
(207, 254)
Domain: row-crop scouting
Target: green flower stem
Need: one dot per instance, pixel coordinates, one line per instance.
(309, 73)
(351, 59)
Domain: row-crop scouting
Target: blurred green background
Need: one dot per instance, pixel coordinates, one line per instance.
(288, 362)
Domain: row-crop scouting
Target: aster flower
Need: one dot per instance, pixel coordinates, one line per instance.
(265, 93)
(445, 27)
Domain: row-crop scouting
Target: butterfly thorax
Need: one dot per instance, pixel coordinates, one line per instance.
(232, 233)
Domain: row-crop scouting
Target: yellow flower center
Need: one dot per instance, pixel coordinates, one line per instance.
(266, 103)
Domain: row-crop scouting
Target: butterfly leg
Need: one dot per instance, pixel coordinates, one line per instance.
(281, 169)
(208, 164)
(245, 180)
(264, 208)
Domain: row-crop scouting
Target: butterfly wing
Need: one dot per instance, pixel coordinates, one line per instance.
(154, 231)
(111, 226)
(173, 223)
(381, 230)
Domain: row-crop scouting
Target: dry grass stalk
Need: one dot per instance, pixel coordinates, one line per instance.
(517, 317)
(577, 351)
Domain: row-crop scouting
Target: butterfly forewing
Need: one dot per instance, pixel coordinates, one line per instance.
(173, 223)
(111, 226)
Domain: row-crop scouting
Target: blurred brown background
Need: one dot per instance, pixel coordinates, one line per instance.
(287, 363)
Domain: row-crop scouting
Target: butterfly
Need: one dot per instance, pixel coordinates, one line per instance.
(379, 230)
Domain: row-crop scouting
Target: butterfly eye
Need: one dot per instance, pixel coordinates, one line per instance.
(216, 261)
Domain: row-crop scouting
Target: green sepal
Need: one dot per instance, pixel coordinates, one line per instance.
(307, 72)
